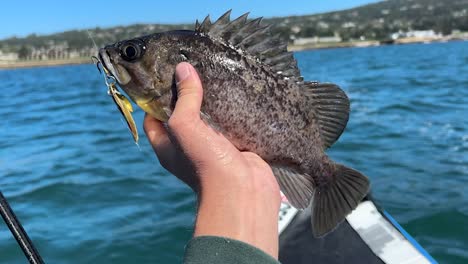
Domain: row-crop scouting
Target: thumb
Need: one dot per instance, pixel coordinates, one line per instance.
(189, 92)
(185, 118)
(199, 142)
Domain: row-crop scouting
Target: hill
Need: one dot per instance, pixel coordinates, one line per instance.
(376, 21)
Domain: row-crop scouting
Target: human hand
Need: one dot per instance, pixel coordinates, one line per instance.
(238, 194)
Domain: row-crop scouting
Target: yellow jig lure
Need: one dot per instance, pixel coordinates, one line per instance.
(122, 103)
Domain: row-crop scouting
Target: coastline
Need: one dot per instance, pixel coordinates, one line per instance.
(332, 45)
(310, 46)
(42, 63)
(370, 43)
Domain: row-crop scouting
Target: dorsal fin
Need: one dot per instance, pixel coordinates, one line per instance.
(221, 23)
(205, 25)
(255, 40)
(331, 106)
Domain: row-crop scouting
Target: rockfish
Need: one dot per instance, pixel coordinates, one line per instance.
(255, 96)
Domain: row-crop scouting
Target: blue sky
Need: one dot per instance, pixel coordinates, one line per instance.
(20, 18)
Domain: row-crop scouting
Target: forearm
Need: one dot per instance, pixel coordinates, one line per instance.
(239, 210)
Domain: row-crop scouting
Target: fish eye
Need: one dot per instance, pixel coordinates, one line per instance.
(132, 50)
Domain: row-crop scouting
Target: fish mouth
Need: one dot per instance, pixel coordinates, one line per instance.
(113, 69)
(150, 103)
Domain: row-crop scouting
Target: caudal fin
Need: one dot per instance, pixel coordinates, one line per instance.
(333, 202)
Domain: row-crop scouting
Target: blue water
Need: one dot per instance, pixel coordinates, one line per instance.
(87, 194)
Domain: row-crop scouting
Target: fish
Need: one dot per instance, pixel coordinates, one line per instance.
(256, 97)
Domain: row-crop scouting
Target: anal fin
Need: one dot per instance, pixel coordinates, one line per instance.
(298, 188)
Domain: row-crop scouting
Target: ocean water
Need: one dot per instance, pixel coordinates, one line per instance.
(87, 194)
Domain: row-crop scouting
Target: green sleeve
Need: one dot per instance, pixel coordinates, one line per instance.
(212, 249)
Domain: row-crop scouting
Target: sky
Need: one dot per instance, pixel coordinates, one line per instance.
(20, 18)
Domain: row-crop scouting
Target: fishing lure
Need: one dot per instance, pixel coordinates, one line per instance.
(122, 102)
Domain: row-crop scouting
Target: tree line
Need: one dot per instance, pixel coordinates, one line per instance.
(374, 21)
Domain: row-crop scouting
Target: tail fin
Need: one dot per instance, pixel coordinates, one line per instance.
(332, 203)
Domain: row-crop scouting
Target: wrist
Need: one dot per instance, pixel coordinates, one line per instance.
(245, 210)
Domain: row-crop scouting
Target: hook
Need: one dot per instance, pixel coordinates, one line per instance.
(97, 62)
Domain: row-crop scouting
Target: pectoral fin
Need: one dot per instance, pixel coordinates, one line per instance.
(331, 107)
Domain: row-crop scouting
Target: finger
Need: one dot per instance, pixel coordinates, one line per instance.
(169, 156)
(189, 93)
(156, 133)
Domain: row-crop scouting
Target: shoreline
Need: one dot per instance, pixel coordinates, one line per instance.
(370, 43)
(43, 63)
(4, 65)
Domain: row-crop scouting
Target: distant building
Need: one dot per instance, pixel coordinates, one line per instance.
(423, 34)
(348, 25)
(456, 33)
(295, 29)
(323, 25)
(315, 40)
(60, 51)
(10, 56)
(74, 54)
(397, 35)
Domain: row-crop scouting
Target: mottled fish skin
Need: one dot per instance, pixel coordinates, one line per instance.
(239, 101)
(255, 107)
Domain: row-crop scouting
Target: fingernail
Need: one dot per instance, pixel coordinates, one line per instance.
(182, 72)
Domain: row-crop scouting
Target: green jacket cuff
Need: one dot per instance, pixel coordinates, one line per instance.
(213, 249)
